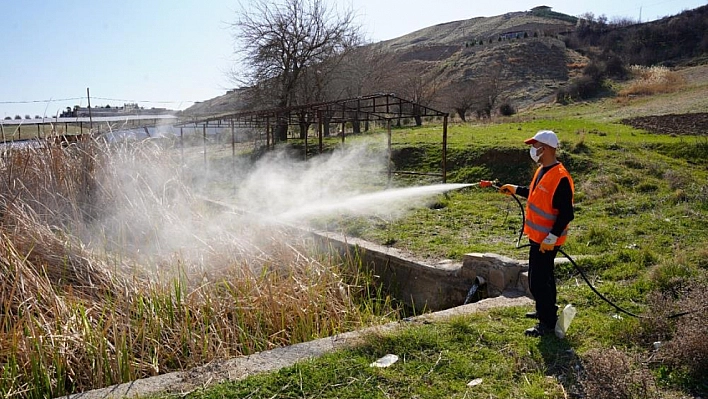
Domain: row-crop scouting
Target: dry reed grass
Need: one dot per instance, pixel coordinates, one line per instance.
(96, 290)
(652, 80)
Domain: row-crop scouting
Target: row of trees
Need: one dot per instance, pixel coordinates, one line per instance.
(18, 117)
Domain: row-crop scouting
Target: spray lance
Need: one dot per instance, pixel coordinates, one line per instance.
(495, 184)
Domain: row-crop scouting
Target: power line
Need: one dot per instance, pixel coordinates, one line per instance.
(42, 101)
(97, 98)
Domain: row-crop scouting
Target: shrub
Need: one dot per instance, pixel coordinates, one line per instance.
(655, 325)
(506, 109)
(615, 68)
(646, 187)
(612, 374)
(599, 187)
(594, 70)
(676, 180)
(671, 275)
(688, 349)
(581, 88)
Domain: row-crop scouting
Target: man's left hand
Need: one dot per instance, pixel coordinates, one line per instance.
(548, 243)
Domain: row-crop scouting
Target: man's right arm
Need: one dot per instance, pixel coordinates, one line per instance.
(522, 191)
(510, 189)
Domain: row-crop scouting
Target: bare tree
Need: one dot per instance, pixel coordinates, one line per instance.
(364, 71)
(490, 88)
(418, 84)
(279, 41)
(461, 97)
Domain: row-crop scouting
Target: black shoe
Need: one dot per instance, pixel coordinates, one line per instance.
(539, 330)
(531, 315)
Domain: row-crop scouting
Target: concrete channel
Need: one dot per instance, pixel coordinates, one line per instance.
(438, 289)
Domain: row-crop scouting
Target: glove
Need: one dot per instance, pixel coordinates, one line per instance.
(508, 189)
(548, 243)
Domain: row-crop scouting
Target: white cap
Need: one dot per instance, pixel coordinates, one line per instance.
(546, 137)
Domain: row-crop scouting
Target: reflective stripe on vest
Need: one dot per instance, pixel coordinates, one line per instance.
(540, 214)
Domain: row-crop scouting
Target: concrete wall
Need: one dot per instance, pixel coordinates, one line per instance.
(427, 286)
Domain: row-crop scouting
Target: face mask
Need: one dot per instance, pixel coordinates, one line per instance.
(535, 153)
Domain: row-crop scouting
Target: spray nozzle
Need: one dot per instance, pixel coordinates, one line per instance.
(489, 183)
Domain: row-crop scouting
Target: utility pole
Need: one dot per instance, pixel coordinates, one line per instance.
(88, 95)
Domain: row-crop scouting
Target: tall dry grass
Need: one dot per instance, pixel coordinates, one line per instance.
(652, 80)
(112, 271)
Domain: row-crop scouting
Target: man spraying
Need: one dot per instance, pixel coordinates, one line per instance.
(549, 210)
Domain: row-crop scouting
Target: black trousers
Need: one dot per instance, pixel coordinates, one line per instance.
(542, 283)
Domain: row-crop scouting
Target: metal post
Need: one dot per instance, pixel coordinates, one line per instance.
(306, 146)
(181, 142)
(88, 96)
(267, 133)
(233, 141)
(344, 123)
(390, 153)
(444, 150)
(320, 129)
(204, 142)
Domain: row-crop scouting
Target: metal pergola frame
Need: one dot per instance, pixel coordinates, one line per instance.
(375, 107)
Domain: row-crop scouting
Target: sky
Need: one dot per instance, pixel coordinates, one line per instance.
(169, 54)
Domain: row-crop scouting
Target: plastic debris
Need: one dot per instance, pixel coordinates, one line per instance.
(657, 345)
(564, 320)
(474, 382)
(385, 361)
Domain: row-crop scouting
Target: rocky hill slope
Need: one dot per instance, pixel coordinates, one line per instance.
(526, 47)
(523, 55)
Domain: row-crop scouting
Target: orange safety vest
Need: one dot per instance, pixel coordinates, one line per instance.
(540, 214)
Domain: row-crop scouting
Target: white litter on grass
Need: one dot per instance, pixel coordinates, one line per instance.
(566, 317)
(385, 361)
(474, 382)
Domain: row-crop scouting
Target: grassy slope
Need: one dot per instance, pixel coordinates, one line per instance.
(642, 203)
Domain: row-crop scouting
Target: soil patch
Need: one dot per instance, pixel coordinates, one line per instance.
(678, 124)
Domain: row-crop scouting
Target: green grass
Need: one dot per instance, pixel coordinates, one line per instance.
(435, 360)
(441, 358)
(628, 186)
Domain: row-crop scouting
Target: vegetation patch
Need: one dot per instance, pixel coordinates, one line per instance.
(112, 271)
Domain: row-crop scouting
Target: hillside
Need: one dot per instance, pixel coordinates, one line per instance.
(520, 58)
(457, 33)
(528, 46)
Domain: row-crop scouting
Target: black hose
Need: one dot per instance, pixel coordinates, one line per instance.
(582, 274)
